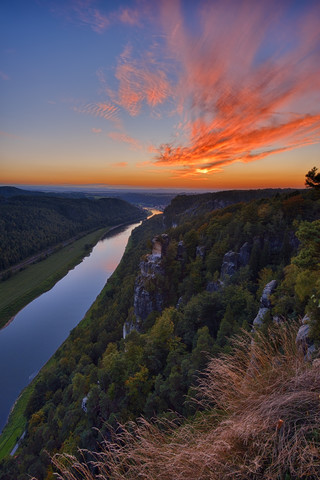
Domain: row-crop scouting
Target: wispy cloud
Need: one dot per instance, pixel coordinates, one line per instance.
(242, 82)
(122, 137)
(129, 16)
(104, 110)
(95, 15)
(141, 80)
(119, 164)
(96, 130)
(235, 95)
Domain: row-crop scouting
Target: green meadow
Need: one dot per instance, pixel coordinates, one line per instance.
(20, 289)
(16, 424)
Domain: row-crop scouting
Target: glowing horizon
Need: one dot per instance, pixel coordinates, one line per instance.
(168, 94)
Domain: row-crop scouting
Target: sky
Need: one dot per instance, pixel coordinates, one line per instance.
(214, 94)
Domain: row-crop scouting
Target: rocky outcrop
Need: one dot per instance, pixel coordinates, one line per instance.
(229, 265)
(267, 291)
(232, 261)
(145, 302)
(265, 304)
(303, 341)
(200, 251)
(146, 299)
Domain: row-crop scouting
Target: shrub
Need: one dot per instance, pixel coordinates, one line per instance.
(260, 417)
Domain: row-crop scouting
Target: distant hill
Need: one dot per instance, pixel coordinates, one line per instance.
(184, 206)
(177, 297)
(143, 198)
(32, 223)
(8, 192)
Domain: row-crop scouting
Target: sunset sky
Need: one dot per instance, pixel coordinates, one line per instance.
(190, 94)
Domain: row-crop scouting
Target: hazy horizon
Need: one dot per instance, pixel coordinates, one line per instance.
(171, 94)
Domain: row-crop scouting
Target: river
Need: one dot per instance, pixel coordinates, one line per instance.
(37, 331)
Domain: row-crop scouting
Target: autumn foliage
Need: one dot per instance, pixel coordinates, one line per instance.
(258, 418)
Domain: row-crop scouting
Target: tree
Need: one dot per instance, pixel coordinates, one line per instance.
(313, 179)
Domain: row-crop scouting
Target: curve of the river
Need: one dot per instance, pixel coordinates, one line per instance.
(37, 331)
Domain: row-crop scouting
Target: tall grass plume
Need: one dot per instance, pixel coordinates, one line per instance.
(260, 419)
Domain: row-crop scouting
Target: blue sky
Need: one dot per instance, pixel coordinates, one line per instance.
(161, 94)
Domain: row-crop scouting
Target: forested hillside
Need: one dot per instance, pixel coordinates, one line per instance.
(176, 299)
(30, 224)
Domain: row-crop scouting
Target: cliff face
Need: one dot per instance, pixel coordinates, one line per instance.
(146, 297)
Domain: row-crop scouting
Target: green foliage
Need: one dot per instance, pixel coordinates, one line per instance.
(313, 179)
(153, 370)
(30, 224)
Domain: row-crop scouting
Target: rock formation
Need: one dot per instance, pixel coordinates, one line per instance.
(146, 299)
(265, 304)
(303, 340)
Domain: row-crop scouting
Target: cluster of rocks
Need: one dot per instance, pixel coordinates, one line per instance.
(303, 340)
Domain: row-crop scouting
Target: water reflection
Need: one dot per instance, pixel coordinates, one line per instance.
(39, 329)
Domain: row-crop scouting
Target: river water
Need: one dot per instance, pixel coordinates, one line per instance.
(37, 331)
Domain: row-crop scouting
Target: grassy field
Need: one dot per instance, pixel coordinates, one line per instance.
(16, 424)
(24, 286)
(19, 290)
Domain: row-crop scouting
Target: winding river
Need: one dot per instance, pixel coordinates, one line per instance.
(37, 331)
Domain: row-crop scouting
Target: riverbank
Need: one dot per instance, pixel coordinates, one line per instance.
(16, 423)
(23, 287)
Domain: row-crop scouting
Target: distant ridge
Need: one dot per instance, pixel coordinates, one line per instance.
(8, 192)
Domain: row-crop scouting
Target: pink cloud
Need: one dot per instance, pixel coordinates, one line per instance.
(122, 137)
(129, 16)
(97, 16)
(235, 105)
(104, 110)
(96, 130)
(141, 81)
(120, 164)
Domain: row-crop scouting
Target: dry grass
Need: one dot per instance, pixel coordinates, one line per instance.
(267, 426)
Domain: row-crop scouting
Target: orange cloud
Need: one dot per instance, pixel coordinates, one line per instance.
(119, 164)
(236, 105)
(122, 137)
(242, 82)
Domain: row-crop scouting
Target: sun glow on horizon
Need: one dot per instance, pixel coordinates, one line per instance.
(219, 94)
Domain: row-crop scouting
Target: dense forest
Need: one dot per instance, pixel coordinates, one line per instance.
(188, 282)
(32, 223)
